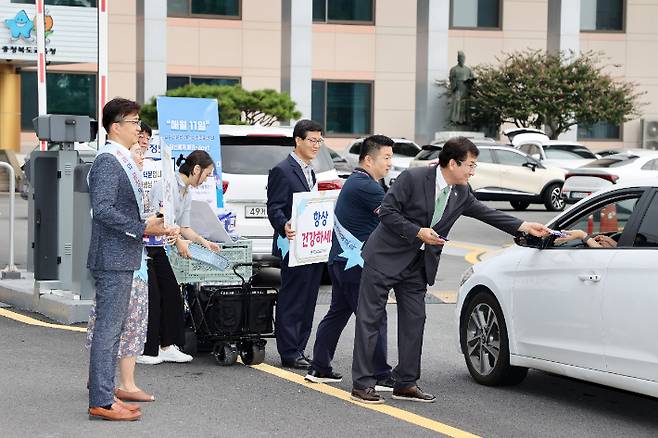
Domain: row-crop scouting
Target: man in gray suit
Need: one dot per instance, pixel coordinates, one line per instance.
(115, 251)
(403, 254)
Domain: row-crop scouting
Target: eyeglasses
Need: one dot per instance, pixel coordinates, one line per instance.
(137, 123)
(472, 166)
(318, 141)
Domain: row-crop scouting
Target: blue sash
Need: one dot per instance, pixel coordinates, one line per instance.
(132, 171)
(350, 245)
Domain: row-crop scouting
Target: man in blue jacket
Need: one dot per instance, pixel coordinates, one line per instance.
(356, 216)
(115, 251)
(299, 285)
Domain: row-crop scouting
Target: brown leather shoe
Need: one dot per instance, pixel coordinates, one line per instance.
(132, 407)
(367, 395)
(115, 413)
(413, 393)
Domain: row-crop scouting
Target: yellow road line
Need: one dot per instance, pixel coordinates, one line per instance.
(447, 296)
(31, 321)
(472, 257)
(392, 411)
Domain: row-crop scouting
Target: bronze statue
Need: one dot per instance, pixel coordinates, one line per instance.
(461, 80)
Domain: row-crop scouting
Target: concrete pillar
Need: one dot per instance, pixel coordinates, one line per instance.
(432, 64)
(296, 52)
(563, 35)
(10, 108)
(151, 49)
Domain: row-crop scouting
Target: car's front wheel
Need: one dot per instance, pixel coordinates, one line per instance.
(485, 345)
(553, 199)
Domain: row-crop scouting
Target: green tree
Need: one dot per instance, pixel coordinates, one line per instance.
(237, 106)
(553, 91)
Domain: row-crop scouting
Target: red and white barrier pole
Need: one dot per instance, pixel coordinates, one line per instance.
(41, 63)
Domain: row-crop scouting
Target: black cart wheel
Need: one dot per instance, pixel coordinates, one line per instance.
(252, 353)
(225, 354)
(519, 205)
(191, 345)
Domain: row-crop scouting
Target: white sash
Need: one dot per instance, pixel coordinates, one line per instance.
(130, 167)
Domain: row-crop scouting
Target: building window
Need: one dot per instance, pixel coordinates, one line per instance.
(599, 131)
(602, 15)
(79, 3)
(194, 8)
(181, 81)
(344, 11)
(343, 108)
(475, 14)
(68, 93)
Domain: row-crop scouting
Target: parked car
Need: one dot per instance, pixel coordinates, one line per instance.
(567, 155)
(612, 169)
(248, 153)
(343, 167)
(507, 174)
(585, 313)
(403, 152)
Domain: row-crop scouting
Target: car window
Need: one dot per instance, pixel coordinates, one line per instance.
(356, 148)
(581, 151)
(405, 148)
(651, 165)
(485, 156)
(647, 234)
(250, 155)
(530, 149)
(609, 218)
(428, 154)
(557, 154)
(510, 158)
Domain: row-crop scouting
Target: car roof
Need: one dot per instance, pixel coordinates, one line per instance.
(245, 130)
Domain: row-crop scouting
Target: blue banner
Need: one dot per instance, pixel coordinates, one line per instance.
(187, 124)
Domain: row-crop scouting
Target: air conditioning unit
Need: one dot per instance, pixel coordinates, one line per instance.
(650, 133)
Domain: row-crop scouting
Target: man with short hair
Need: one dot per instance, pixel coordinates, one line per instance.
(355, 218)
(403, 254)
(115, 251)
(299, 285)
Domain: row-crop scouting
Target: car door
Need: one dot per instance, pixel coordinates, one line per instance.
(487, 174)
(630, 304)
(516, 175)
(559, 290)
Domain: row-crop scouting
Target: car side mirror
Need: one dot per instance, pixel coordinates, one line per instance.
(529, 241)
(529, 164)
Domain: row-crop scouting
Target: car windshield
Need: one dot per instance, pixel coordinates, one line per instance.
(612, 161)
(406, 149)
(557, 154)
(578, 151)
(256, 155)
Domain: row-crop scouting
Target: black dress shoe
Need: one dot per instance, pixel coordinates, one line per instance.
(318, 377)
(300, 363)
(413, 393)
(367, 395)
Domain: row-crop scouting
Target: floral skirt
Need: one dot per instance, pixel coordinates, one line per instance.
(133, 335)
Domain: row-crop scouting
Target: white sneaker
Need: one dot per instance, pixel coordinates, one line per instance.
(173, 354)
(149, 360)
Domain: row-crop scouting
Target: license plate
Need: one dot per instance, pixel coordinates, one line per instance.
(579, 195)
(255, 211)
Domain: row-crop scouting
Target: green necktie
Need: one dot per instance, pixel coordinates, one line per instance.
(440, 205)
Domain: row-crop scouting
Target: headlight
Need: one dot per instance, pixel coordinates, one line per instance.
(466, 275)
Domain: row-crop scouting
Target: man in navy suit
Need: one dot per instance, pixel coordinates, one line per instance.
(403, 254)
(299, 285)
(115, 251)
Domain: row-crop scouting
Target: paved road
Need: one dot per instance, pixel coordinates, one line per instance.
(42, 390)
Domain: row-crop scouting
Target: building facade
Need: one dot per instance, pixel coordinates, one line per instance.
(357, 66)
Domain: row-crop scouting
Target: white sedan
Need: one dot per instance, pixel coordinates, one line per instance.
(609, 170)
(586, 313)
